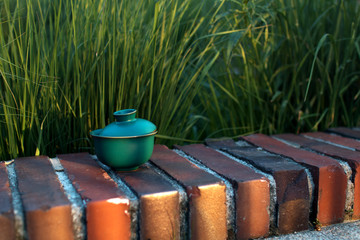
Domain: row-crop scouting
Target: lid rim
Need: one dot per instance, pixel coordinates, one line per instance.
(126, 126)
(119, 137)
(125, 112)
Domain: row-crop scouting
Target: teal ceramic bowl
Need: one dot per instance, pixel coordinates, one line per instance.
(125, 144)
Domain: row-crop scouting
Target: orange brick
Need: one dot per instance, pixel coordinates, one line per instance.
(107, 206)
(345, 141)
(206, 193)
(351, 157)
(292, 192)
(159, 203)
(7, 220)
(252, 195)
(347, 132)
(47, 209)
(329, 178)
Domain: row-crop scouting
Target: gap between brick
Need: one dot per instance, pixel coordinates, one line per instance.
(328, 142)
(349, 203)
(230, 192)
(185, 230)
(20, 224)
(310, 180)
(134, 205)
(77, 204)
(272, 207)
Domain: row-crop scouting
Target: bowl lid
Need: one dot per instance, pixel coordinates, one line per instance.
(126, 125)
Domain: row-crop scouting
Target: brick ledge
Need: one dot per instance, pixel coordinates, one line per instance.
(254, 187)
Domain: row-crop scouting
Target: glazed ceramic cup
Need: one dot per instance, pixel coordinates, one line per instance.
(126, 143)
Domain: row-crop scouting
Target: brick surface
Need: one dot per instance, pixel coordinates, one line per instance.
(348, 142)
(107, 206)
(206, 193)
(292, 190)
(351, 157)
(47, 210)
(7, 220)
(159, 203)
(252, 190)
(329, 178)
(347, 132)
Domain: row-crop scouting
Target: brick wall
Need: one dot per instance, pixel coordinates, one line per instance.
(253, 187)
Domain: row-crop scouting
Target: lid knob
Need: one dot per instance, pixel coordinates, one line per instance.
(125, 115)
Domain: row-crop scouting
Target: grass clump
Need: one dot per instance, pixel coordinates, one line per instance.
(66, 66)
(196, 69)
(294, 68)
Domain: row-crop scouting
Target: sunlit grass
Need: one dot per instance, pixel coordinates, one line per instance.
(297, 71)
(195, 68)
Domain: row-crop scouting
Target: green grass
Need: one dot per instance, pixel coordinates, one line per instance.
(293, 69)
(196, 69)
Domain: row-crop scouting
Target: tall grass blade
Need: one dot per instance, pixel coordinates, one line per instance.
(320, 44)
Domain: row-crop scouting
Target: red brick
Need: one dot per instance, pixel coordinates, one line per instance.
(347, 132)
(328, 176)
(252, 190)
(348, 142)
(107, 206)
(351, 157)
(7, 220)
(47, 210)
(159, 203)
(206, 193)
(219, 143)
(291, 186)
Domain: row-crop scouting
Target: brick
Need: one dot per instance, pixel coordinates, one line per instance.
(347, 132)
(7, 219)
(344, 141)
(329, 178)
(218, 143)
(159, 203)
(47, 210)
(206, 193)
(351, 157)
(252, 190)
(107, 206)
(292, 189)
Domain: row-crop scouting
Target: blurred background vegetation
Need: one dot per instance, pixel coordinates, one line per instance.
(197, 69)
